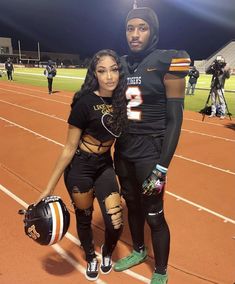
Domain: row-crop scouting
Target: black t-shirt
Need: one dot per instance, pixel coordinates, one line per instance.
(146, 92)
(87, 115)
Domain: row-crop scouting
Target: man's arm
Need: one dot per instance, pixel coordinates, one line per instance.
(175, 88)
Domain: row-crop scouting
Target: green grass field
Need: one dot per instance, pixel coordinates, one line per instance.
(198, 101)
(72, 79)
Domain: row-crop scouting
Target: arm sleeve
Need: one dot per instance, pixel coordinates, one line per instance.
(173, 128)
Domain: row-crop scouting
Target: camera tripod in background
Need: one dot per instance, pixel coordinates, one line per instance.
(214, 77)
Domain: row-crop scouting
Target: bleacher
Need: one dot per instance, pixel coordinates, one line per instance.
(227, 51)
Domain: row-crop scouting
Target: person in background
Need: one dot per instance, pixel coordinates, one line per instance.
(193, 77)
(155, 95)
(98, 115)
(9, 68)
(50, 73)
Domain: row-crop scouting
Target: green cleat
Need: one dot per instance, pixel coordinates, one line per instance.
(159, 279)
(131, 260)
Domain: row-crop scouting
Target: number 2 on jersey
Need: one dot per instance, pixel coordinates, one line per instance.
(133, 94)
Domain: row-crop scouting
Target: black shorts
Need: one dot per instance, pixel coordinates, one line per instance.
(88, 170)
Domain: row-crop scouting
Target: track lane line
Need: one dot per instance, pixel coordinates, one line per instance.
(178, 156)
(37, 97)
(56, 117)
(170, 193)
(76, 241)
(42, 91)
(208, 135)
(34, 111)
(56, 247)
(189, 119)
(179, 198)
(204, 164)
(204, 122)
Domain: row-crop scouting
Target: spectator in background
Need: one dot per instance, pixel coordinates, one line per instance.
(50, 73)
(193, 76)
(9, 68)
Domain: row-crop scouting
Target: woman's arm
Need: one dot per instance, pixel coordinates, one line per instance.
(73, 138)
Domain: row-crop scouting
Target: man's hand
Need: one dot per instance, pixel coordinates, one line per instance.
(155, 182)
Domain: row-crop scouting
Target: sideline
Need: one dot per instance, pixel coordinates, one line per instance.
(57, 76)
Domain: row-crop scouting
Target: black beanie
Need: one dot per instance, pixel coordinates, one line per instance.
(149, 16)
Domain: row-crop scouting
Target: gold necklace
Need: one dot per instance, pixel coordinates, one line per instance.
(107, 108)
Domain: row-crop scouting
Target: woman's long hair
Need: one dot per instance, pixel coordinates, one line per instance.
(118, 121)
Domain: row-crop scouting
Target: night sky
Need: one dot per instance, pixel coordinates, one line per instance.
(83, 27)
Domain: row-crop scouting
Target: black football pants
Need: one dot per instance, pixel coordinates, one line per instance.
(141, 207)
(9, 75)
(50, 81)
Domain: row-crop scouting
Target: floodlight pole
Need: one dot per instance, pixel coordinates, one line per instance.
(135, 4)
(38, 52)
(19, 49)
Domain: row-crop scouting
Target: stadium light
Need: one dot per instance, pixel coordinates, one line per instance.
(135, 4)
(39, 52)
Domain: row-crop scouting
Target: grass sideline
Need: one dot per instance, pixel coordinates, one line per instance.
(72, 79)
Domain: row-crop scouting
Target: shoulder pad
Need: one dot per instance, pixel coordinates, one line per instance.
(176, 62)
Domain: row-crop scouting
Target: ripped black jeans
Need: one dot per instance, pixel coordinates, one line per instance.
(87, 171)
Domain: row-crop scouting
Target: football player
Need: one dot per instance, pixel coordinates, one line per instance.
(155, 94)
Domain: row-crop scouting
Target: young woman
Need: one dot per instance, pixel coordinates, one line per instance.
(98, 114)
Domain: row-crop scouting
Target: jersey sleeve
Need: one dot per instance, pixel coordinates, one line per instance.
(179, 64)
(78, 115)
(176, 62)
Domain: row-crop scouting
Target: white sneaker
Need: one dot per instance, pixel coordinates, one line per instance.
(106, 263)
(92, 272)
(222, 117)
(212, 115)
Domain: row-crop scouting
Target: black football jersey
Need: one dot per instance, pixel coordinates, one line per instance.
(87, 115)
(146, 93)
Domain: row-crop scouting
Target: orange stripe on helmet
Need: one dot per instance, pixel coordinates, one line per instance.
(57, 222)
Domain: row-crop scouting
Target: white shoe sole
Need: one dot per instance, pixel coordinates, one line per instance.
(102, 272)
(91, 279)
